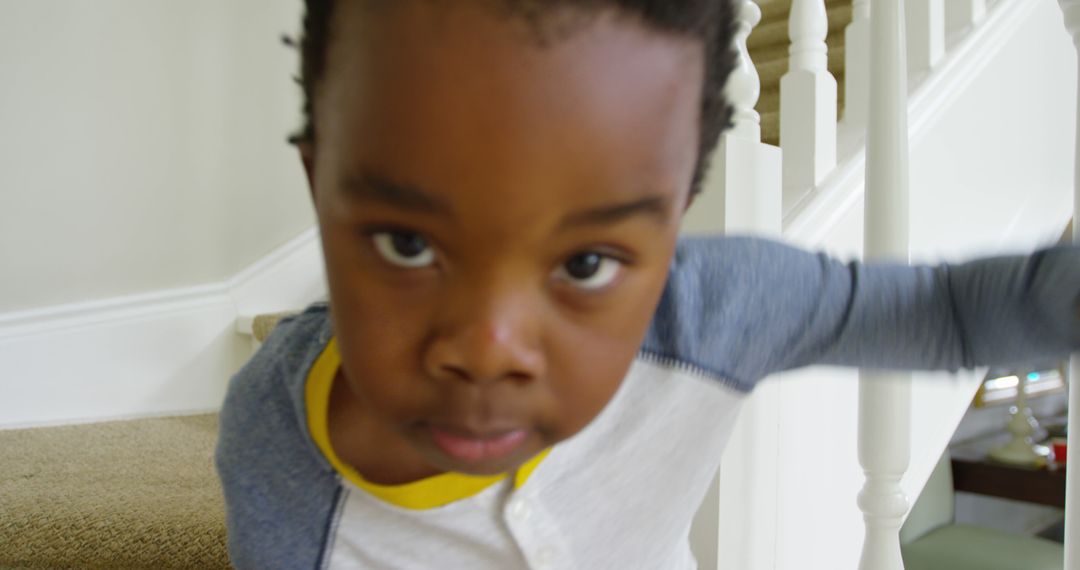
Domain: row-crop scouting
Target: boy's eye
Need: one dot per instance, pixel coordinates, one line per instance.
(404, 249)
(590, 270)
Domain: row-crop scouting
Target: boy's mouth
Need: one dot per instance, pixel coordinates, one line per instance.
(477, 448)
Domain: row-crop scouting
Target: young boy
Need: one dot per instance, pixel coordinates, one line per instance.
(520, 364)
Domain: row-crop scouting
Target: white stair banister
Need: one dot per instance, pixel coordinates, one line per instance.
(743, 193)
(753, 203)
(807, 102)
(885, 398)
(744, 84)
(925, 33)
(1071, 12)
(857, 65)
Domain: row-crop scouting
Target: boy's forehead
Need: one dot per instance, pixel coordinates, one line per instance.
(458, 91)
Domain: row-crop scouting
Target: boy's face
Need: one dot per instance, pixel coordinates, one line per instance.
(498, 217)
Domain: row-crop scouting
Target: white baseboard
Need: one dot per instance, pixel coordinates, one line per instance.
(162, 353)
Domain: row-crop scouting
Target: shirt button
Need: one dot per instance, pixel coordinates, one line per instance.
(519, 510)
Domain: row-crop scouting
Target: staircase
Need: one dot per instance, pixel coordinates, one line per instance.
(980, 183)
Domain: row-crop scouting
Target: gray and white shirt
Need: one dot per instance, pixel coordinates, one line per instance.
(622, 493)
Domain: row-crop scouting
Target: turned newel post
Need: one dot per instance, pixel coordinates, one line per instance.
(885, 397)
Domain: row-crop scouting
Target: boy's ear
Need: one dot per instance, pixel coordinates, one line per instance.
(307, 156)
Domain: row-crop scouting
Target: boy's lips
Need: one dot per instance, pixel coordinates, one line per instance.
(473, 448)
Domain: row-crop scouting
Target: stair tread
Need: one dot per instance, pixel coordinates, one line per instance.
(776, 32)
(133, 494)
(772, 10)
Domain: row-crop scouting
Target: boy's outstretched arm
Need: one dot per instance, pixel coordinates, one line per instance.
(743, 308)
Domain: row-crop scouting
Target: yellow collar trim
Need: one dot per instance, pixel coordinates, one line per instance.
(427, 493)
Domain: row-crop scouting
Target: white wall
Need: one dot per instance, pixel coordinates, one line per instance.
(144, 182)
(142, 145)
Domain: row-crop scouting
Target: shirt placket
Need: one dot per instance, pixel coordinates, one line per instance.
(536, 533)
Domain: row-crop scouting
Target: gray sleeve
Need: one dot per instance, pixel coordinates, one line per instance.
(743, 308)
(280, 495)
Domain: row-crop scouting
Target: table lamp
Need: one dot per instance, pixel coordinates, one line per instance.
(1021, 449)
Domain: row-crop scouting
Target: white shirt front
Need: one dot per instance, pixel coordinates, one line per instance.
(620, 494)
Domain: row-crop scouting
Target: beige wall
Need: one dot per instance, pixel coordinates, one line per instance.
(142, 145)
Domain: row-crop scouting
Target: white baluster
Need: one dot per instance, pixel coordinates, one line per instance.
(960, 14)
(807, 102)
(744, 85)
(885, 398)
(743, 193)
(1071, 10)
(753, 203)
(925, 33)
(857, 65)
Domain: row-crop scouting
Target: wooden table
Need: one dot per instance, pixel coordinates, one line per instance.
(974, 472)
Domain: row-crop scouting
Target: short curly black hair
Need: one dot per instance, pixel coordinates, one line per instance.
(711, 22)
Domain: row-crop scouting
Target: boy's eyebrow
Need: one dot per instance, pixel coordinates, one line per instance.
(370, 187)
(656, 207)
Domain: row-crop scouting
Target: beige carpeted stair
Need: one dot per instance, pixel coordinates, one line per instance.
(768, 45)
(136, 494)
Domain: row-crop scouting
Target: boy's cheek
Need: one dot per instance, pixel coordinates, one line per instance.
(586, 374)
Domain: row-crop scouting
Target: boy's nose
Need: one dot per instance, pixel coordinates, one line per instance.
(486, 342)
